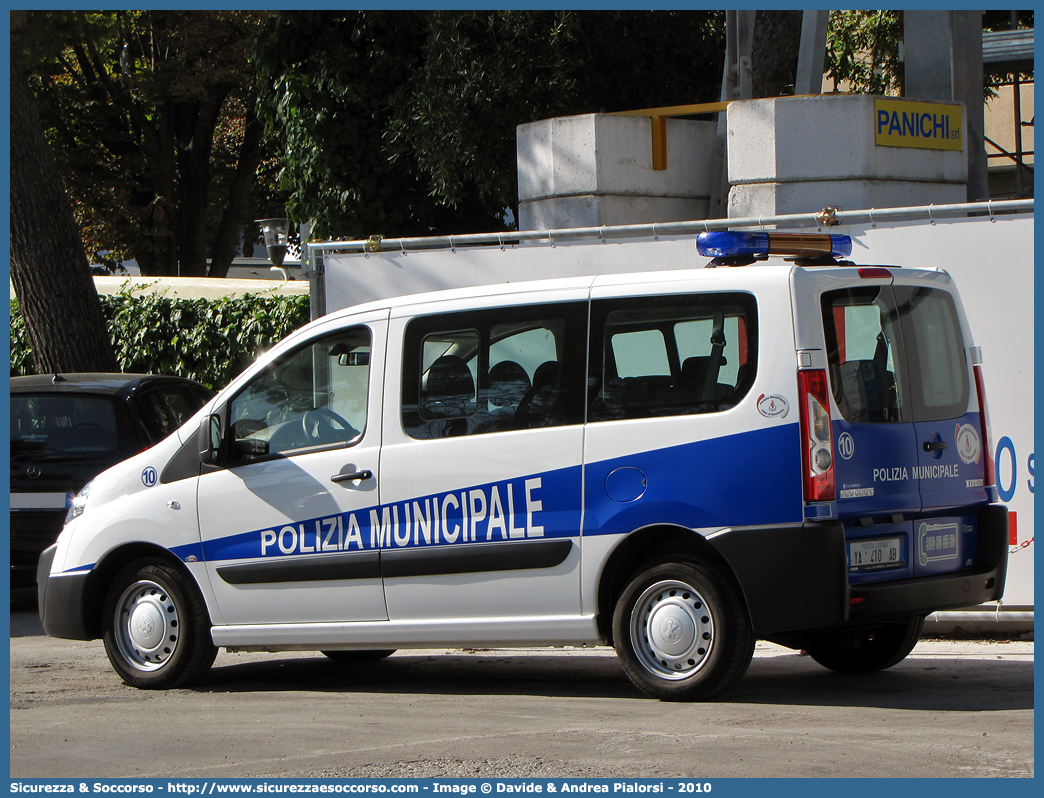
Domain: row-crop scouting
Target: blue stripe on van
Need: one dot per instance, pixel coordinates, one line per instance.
(737, 480)
(525, 508)
(747, 479)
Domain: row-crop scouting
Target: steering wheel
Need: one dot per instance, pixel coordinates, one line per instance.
(321, 426)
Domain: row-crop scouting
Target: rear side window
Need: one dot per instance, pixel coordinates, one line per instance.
(496, 370)
(666, 356)
(895, 354)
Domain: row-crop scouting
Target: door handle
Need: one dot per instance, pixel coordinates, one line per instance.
(934, 446)
(352, 476)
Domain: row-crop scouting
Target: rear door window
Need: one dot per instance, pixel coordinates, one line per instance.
(895, 354)
(164, 408)
(863, 338)
(935, 352)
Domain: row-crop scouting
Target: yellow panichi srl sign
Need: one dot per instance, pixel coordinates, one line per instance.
(926, 126)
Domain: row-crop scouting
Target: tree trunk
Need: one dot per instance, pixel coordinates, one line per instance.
(49, 268)
(777, 39)
(194, 125)
(159, 256)
(232, 220)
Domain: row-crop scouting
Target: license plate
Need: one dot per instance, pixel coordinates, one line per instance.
(870, 555)
(40, 501)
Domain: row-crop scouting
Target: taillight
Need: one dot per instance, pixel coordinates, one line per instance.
(875, 273)
(984, 423)
(817, 453)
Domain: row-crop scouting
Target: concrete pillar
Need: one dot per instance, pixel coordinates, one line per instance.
(809, 78)
(597, 169)
(943, 61)
(802, 154)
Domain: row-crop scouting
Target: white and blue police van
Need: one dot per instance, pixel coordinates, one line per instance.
(774, 444)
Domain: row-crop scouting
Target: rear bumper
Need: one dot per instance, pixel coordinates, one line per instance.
(981, 583)
(62, 600)
(795, 578)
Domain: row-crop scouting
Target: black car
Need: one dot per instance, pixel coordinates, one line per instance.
(66, 429)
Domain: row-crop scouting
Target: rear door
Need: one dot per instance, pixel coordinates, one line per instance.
(951, 463)
(910, 468)
(875, 448)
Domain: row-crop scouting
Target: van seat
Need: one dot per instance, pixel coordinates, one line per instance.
(450, 389)
(867, 392)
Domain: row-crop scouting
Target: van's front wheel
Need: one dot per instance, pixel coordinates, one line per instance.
(681, 631)
(157, 630)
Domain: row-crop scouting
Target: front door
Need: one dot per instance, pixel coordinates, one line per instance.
(285, 524)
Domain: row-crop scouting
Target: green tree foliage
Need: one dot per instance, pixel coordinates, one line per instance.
(405, 121)
(149, 114)
(329, 77)
(863, 50)
(210, 341)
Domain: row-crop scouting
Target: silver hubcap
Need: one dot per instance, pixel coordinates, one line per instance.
(672, 629)
(147, 626)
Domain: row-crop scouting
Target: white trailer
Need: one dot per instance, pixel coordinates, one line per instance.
(986, 247)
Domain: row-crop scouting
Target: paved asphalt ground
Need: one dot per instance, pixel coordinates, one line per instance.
(952, 709)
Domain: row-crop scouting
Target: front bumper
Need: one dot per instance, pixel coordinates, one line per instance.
(62, 600)
(32, 531)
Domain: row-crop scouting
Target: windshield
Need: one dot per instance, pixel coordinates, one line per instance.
(64, 423)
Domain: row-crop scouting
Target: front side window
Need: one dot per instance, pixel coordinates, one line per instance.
(314, 396)
(667, 356)
(493, 370)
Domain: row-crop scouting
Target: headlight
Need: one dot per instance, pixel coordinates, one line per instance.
(78, 503)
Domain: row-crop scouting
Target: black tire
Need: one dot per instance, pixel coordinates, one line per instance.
(867, 650)
(353, 657)
(681, 631)
(156, 626)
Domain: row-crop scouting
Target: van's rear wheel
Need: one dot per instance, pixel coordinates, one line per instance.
(681, 631)
(350, 656)
(870, 649)
(157, 629)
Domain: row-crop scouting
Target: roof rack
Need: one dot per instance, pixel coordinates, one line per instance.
(828, 217)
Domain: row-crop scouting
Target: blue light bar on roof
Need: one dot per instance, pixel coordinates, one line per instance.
(729, 244)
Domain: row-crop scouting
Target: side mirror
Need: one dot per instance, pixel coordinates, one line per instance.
(208, 440)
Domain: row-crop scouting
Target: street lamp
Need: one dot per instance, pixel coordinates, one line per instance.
(275, 232)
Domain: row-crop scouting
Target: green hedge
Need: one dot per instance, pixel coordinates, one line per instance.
(208, 340)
